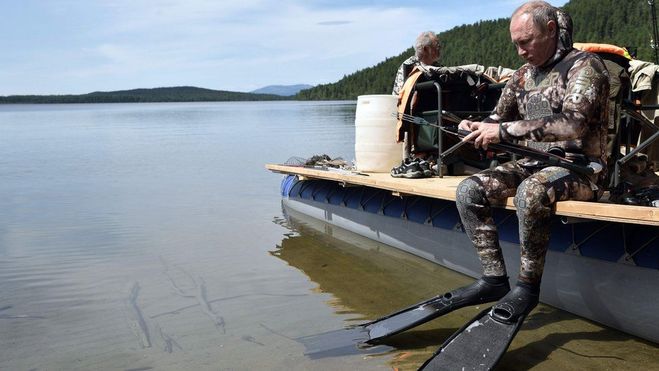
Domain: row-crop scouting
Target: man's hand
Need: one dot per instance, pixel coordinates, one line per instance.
(482, 133)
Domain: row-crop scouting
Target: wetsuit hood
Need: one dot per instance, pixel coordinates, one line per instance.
(563, 39)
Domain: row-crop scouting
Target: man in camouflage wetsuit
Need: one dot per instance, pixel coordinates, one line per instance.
(557, 99)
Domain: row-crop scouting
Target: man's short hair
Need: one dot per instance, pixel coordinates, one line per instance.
(540, 11)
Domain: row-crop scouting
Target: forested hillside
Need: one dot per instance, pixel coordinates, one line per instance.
(173, 94)
(619, 22)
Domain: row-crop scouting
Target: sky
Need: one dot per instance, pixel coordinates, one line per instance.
(80, 46)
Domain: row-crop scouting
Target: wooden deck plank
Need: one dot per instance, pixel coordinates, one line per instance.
(444, 188)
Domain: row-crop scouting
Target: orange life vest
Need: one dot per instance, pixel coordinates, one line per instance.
(603, 48)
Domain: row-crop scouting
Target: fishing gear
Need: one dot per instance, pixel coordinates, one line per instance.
(544, 157)
(515, 149)
(421, 121)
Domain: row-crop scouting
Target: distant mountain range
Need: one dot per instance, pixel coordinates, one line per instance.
(283, 90)
(169, 94)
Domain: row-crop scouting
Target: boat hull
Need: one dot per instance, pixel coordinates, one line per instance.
(589, 269)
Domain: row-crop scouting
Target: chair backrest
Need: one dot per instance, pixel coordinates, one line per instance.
(463, 92)
(616, 59)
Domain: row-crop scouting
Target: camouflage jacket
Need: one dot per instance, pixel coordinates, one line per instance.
(406, 68)
(402, 73)
(564, 104)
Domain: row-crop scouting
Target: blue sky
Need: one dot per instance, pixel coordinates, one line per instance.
(80, 46)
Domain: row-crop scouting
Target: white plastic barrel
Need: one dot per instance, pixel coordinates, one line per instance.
(376, 149)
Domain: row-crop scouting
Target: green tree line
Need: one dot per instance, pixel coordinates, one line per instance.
(623, 23)
(171, 94)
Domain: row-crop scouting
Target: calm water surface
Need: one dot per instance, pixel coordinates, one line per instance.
(150, 236)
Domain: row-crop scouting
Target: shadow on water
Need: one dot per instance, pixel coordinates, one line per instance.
(573, 343)
(368, 280)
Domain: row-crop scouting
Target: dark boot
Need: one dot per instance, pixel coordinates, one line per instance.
(483, 290)
(519, 302)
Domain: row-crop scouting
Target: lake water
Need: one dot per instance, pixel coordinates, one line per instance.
(150, 236)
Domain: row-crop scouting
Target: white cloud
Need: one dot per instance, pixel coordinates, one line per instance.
(77, 46)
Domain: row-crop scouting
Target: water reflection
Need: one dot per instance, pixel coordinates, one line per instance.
(368, 280)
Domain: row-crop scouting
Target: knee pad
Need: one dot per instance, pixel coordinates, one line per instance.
(531, 197)
(469, 191)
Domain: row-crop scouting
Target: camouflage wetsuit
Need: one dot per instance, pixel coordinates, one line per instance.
(564, 103)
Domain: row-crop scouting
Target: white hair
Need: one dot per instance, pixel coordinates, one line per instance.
(425, 39)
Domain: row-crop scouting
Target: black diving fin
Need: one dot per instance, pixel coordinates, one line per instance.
(480, 344)
(374, 332)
